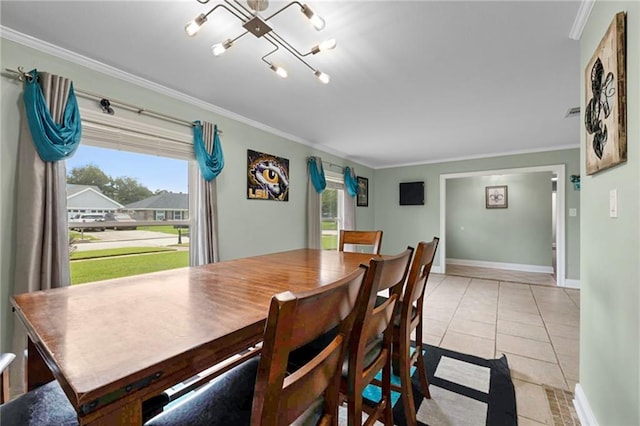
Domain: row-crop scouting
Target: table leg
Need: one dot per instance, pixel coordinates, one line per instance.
(38, 373)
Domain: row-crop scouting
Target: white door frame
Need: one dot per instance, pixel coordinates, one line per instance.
(558, 169)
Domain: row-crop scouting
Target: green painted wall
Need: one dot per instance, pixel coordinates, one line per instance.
(610, 263)
(520, 234)
(406, 225)
(245, 227)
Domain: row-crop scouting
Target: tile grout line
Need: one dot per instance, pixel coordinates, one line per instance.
(456, 309)
(555, 354)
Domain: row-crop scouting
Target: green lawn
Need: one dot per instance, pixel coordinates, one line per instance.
(122, 251)
(329, 242)
(329, 225)
(76, 236)
(115, 267)
(167, 229)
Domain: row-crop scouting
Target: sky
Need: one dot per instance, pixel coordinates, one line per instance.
(151, 171)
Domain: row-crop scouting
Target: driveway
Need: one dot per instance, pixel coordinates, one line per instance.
(115, 239)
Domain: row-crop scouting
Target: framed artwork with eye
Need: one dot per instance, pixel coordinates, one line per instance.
(496, 197)
(267, 177)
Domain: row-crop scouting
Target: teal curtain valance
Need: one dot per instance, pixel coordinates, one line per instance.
(351, 181)
(53, 141)
(316, 172)
(211, 164)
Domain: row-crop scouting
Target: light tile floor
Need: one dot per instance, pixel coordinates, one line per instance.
(535, 326)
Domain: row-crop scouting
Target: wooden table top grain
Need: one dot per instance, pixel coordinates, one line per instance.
(113, 342)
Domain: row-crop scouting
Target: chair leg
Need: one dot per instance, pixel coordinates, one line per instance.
(354, 407)
(386, 394)
(424, 381)
(407, 389)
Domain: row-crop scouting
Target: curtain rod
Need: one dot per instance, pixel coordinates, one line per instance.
(329, 164)
(20, 74)
(333, 165)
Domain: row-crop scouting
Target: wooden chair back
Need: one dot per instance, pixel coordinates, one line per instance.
(369, 238)
(371, 322)
(411, 308)
(295, 320)
(418, 275)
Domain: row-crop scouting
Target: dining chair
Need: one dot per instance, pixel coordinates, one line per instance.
(45, 405)
(371, 339)
(5, 360)
(259, 391)
(407, 318)
(368, 238)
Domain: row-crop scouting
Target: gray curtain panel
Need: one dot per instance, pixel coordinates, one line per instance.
(349, 210)
(42, 246)
(203, 238)
(314, 224)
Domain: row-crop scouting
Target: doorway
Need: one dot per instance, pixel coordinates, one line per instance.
(558, 171)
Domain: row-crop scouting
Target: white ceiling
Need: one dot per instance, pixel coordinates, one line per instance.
(411, 81)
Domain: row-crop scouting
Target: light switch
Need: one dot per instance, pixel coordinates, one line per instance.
(613, 203)
(573, 212)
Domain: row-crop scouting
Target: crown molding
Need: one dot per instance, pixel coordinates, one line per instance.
(76, 58)
(482, 156)
(581, 19)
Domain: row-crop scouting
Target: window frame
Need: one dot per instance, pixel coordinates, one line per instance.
(143, 135)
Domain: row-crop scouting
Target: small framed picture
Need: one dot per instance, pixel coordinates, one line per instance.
(496, 197)
(363, 192)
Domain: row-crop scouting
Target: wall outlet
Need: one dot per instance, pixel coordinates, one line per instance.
(573, 212)
(613, 203)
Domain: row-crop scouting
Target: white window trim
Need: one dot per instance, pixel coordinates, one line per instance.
(112, 132)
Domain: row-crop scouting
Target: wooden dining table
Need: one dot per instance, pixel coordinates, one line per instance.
(114, 344)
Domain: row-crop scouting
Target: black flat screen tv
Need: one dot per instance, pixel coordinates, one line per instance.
(412, 193)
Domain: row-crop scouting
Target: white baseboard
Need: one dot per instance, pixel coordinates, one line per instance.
(437, 269)
(571, 283)
(583, 408)
(499, 265)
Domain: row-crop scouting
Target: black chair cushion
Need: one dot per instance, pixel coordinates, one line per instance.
(44, 406)
(371, 352)
(396, 318)
(304, 354)
(225, 401)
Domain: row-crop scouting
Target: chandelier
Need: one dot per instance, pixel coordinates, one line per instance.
(255, 24)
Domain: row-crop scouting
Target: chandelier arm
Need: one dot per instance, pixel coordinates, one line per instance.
(242, 7)
(203, 2)
(225, 8)
(282, 41)
(241, 11)
(273, 51)
(293, 52)
(240, 36)
(284, 8)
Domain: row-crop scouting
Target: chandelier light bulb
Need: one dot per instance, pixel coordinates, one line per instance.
(279, 70)
(315, 19)
(322, 77)
(317, 22)
(328, 44)
(220, 48)
(193, 26)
